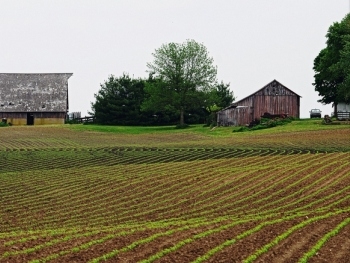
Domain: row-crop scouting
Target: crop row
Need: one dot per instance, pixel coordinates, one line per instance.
(203, 191)
(178, 203)
(22, 160)
(60, 137)
(111, 243)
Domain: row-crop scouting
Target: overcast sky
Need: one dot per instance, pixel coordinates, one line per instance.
(252, 42)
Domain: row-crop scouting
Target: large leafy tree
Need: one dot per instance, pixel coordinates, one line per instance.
(158, 101)
(183, 70)
(331, 66)
(344, 65)
(119, 100)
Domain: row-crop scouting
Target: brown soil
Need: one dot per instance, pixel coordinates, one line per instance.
(150, 189)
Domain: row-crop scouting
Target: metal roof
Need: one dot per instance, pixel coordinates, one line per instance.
(34, 92)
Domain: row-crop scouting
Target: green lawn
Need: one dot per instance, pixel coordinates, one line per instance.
(296, 125)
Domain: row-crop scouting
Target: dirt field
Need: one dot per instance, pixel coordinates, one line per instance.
(73, 196)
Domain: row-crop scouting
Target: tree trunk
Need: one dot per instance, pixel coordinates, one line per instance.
(182, 122)
(335, 109)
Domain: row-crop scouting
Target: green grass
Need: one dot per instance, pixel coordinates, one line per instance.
(296, 125)
(130, 129)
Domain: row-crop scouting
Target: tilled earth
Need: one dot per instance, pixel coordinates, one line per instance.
(62, 201)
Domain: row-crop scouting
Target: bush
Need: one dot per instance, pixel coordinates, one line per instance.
(266, 123)
(183, 126)
(241, 129)
(73, 121)
(4, 124)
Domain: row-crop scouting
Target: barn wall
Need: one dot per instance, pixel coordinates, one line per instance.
(274, 98)
(17, 121)
(42, 121)
(40, 118)
(276, 105)
(234, 117)
(343, 107)
(249, 102)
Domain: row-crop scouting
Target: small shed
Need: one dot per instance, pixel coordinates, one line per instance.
(343, 111)
(274, 98)
(32, 99)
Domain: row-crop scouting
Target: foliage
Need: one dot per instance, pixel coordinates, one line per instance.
(224, 95)
(266, 123)
(332, 67)
(73, 121)
(344, 66)
(184, 69)
(219, 98)
(157, 101)
(4, 124)
(119, 100)
(181, 85)
(183, 126)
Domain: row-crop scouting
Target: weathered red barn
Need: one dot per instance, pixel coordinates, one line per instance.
(274, 98)
(31, 99)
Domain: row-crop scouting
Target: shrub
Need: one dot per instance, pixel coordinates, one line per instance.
(183, 126)
(266, 123)
(4, 124)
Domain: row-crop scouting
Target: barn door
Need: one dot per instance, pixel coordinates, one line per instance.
(30, 118)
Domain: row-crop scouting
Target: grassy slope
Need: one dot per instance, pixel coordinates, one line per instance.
(311, 134)
(297, 125)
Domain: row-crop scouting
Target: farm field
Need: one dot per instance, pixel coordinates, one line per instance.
(81, 193)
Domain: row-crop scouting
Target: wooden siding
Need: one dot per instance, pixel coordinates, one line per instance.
(274, 98)
(39, 118)
(276, 105)
(60, 115)
(234, 116)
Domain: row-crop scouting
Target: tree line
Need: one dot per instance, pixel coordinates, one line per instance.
(181, 89)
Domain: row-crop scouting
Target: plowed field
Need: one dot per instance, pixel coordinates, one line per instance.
(84, 196)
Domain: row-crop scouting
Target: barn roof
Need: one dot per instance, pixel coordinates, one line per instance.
(34, 92)
(268, 84)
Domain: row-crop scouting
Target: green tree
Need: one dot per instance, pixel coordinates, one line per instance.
(344, 65)
(158, 101)
(184, 69)
(224, 95)
(220, 97)
(119, 101)
(331, 66)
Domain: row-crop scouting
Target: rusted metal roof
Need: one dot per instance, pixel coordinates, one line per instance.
(38, 92)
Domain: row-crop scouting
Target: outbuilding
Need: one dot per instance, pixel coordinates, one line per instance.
(272, 99)
(343, 111)
(32, 99)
